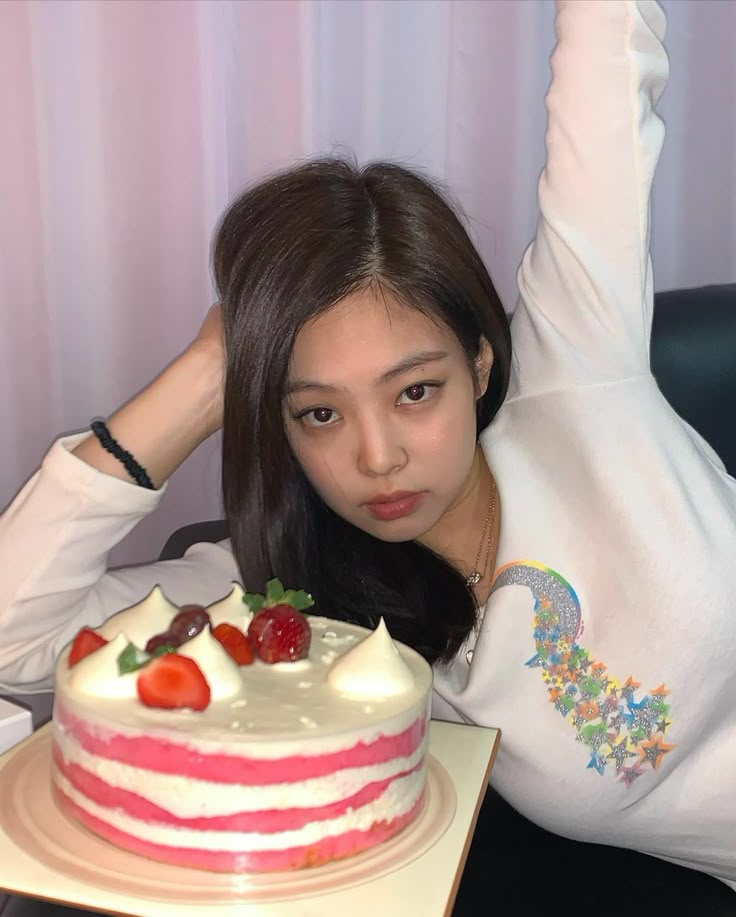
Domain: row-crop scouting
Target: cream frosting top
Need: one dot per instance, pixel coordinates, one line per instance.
(352, 676)
(372, 668)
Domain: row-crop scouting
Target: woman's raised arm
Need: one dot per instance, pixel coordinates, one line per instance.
(56, 535)
(586, 280)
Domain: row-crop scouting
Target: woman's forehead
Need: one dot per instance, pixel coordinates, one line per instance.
(368, 330)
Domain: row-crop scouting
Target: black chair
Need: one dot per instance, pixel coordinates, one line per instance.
(693, 358)
(515, 868)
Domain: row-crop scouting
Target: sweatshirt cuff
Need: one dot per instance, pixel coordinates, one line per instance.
(76, 476)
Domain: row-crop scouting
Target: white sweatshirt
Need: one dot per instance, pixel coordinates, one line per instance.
(607, 650)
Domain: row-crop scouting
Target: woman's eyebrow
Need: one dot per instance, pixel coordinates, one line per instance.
(412, 361)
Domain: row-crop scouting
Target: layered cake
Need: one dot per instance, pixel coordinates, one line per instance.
(195, 751)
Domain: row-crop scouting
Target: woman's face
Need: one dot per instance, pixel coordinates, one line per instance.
(380, 413)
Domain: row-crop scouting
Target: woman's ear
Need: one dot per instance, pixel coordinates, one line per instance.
(483, 366)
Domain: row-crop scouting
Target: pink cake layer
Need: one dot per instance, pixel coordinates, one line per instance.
(166, 757)
(331, 848)
(265, 821)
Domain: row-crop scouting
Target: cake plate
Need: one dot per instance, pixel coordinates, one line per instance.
(47, 855)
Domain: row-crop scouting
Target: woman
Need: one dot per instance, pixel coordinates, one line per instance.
(366, 350)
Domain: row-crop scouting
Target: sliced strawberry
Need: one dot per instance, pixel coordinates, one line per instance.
(235, 642)
(86, 642)
(280, 634)
(173, 681)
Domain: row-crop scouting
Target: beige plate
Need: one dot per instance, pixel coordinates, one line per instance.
(32, 820)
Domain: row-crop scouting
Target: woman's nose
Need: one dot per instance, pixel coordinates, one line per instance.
(380, 450)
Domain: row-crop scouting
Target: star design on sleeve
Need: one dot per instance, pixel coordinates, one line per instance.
(629, 687)
(654, 750)
(605, 708)
(640, 716)
(620, 752)
(606, 714)
(594, 735)
(629, 774)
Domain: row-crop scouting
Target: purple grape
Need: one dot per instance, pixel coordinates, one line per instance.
(188, 623)
(164, 639)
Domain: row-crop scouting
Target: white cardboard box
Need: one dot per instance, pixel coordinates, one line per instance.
(15, 724)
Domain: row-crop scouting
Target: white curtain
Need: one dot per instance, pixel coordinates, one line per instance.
(128, 126)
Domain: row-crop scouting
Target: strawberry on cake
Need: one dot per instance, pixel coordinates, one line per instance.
(240, 737)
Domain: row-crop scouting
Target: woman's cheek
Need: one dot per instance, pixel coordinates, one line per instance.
(451, 436)
(323, 469)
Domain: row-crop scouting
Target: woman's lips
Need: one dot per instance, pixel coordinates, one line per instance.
(394, 506)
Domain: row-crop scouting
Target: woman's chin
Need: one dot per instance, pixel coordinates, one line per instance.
(397, 530)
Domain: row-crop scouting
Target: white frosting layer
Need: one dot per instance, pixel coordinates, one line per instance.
(373, 668)
(396, 801)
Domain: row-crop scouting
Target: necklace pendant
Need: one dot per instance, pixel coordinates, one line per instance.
(473, 579)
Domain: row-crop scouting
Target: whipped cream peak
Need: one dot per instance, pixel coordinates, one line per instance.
(98, 674)
(150, 616)
(231, 609)
(372, 668)
(218, 667)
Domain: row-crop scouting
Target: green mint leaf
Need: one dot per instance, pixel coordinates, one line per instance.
(254, 601)
(274, 591)
(131, 659)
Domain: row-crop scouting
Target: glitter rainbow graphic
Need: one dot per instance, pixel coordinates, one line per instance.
(618, 730)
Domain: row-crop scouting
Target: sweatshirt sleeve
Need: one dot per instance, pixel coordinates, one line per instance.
(585, 282)
(55, 538)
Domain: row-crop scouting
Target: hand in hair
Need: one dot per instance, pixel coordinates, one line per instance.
(210, 341)
(166, 421)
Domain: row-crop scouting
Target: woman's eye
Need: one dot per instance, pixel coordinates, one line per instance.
(318, 417)
(420, 391)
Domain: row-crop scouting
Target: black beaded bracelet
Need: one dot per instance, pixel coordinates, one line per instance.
(136, 471)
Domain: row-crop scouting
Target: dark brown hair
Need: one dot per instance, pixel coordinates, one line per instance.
(286, 251)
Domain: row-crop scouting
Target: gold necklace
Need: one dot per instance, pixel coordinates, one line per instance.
(476, 575)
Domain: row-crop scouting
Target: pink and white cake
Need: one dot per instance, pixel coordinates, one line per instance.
(289, 765)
